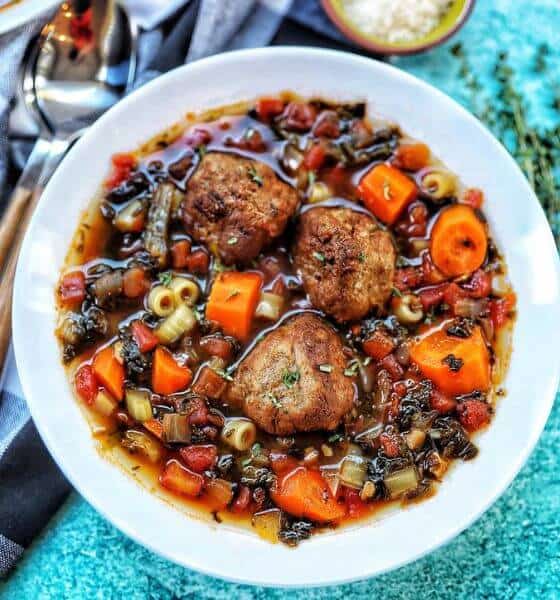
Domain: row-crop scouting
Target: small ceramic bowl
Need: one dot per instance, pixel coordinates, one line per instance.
(453, 20)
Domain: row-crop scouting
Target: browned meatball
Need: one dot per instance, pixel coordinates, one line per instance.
(236, 206)
(293, 380)
(346, 261)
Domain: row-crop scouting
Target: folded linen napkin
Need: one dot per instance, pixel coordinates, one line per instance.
(172, 32)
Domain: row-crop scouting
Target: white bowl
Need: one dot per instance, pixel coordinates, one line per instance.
(518, 225)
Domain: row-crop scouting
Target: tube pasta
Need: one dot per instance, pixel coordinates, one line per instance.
(161, 301)
(179, 322)
(184, 290)
(409, 310)
(240, 434)
(439, 184)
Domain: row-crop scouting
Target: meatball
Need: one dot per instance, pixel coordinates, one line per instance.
(346, 261)
(293, 380)
(236, 206)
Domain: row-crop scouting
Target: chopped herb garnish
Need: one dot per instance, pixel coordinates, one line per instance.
(311, 176)
(232, 241)
(255, 177)
(290, 378)
(256, 449)
(223, 374)
(352, 368)
(367, 361)
(273, 400)
(453, 362)
(233, 294)
(396, 292)
(202, 150)
(319, 256)
(387, 194)
(336, 437)
(165, 278)
(362, 257)
(460, 328)
(326, 368)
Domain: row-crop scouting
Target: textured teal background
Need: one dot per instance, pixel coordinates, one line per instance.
(513, 551)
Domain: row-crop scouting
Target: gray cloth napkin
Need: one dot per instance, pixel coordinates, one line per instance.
(199, 28)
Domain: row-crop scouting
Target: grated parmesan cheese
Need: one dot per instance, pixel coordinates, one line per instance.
(396, 20)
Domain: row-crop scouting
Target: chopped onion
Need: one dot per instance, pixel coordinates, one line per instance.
(104, 403)
(138, 441)
(500, 285)
(267, 524)
(353, 471)
(270, 306)
(319, 192)
(239, 433)
(291, 159)
(415, 439)
(176, 428)
(401, 482)
(138, 404)
(131, 217)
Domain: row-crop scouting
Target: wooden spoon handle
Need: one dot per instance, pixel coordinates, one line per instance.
(57, 149)
(21, 194)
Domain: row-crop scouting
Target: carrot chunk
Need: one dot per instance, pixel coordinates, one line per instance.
(143, 336)
(412, 157)
(387, 192)
(109, 372)
(304, 493)
(233, 301)
(168, 376)
(456, 365)
(458, 242)
(155, 427)
(181, 480)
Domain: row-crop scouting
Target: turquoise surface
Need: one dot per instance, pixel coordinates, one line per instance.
(513, 551)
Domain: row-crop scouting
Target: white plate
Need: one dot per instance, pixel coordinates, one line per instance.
(518, 224)
(17, 14)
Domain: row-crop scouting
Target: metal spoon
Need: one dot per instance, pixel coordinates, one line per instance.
(84, 61)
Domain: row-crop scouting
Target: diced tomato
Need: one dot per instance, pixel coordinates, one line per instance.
(241, 503)
(198, 412)
(432, 296)
(198, 262)
(180, 252)
(198, 137)
(267, 108)
(209, 383)
(143, 336)
(501, 310)
(479, 285)
(442, 403)
(217, 346)
(281, 463)
(430, 273)
(473, 414)
(356, 506)
(199, 458)
(473, 197)
(407, 278)
(86, 384)
(299, 116)
(378, 345)
(390, 445)
(135, 282)
(123, 165)
(392, 366)
(73, 288)
(181, 480)
(453, 293)
(415, 223)
(327, 124)
(314, 157)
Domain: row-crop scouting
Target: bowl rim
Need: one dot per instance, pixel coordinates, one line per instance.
(354, 34)
(140, 536)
